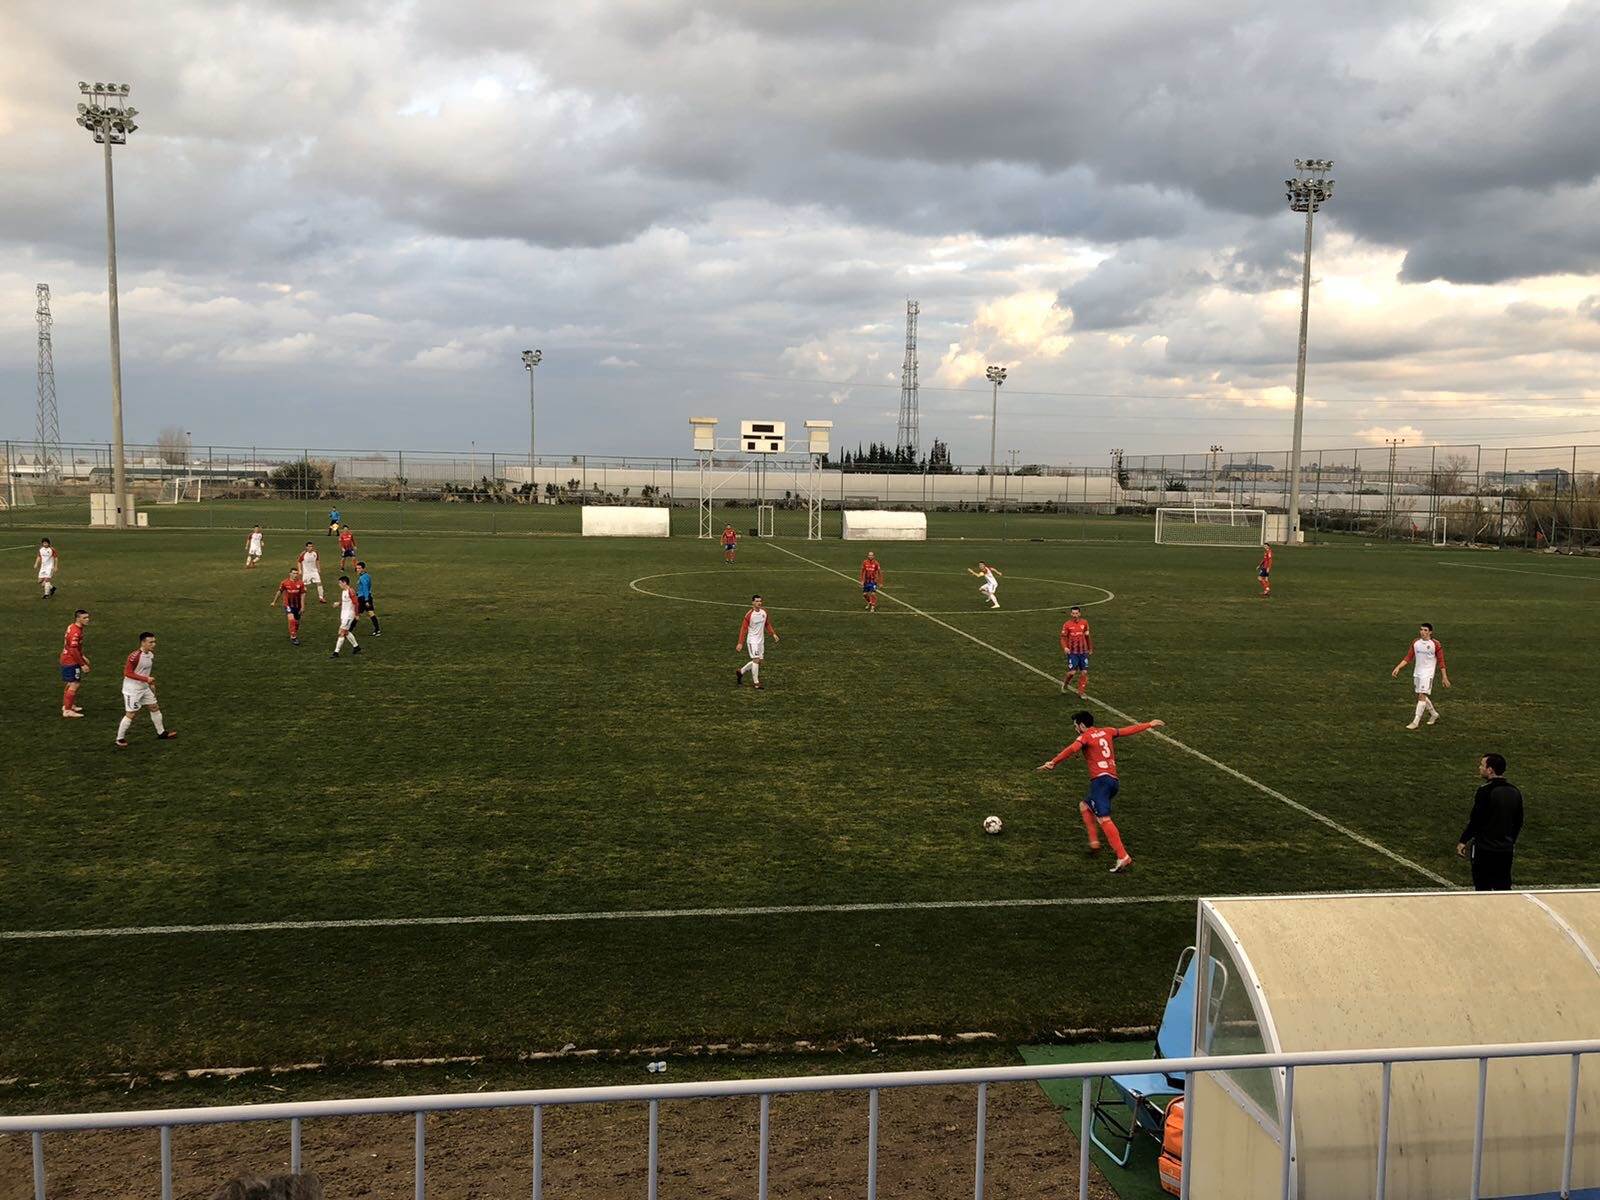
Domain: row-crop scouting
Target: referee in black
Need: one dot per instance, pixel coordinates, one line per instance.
(1490, 837)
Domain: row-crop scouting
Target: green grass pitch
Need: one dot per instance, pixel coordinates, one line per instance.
(541, 729)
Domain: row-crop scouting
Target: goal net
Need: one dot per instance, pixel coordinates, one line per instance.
(1199, 526)
(181, 491)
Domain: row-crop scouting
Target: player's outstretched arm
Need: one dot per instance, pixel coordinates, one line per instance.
(1063, 756)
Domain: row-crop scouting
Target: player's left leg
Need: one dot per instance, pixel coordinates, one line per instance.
(1083, 682)
(1422, 708)
(159, 722)
(372, 615)
(1091, 826)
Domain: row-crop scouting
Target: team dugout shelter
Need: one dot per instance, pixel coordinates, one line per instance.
(1385, 971)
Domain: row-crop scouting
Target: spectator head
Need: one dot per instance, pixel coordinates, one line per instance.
(1493, 764)
(279, 1187)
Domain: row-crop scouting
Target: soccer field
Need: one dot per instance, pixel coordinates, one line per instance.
(548, 730)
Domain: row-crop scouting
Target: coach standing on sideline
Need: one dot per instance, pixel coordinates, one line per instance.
(1490, 837)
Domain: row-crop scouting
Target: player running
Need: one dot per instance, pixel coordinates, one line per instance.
(753, 632)
(45, 563)
(991, 582)
(1077, 645)
(730, 543)
(139, 691)
(364, 600)
(1264, 570)
(347, 618)
(871, 580)
(252, 548)
(292, 592)
(1095, 743)
(311, 570)
(347, 548)
(1426, 653)
(74, 664)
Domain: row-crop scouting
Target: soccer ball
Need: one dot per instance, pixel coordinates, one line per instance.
(993, 825)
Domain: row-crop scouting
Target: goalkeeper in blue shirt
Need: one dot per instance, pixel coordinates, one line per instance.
(364, 601)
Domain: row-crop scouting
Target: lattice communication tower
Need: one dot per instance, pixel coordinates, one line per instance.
(908, 434)
(48, 426)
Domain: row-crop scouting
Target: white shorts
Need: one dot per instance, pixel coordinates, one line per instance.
(757, 647)
(1422, 683)
(137, 695)
(47, 572)
(311, 577)
(988, 589)
(255, 550)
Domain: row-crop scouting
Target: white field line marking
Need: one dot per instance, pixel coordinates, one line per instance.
(1360, 839)
(647, 914)
(28, 546)
(1516, 571)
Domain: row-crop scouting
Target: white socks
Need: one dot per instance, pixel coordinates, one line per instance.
(1432, 711)
(1422, 707)
(754, 669)
(338, 642)
(122, 729)
(155, 716)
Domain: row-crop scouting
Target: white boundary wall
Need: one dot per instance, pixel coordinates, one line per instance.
(877, 525)
(613, 521)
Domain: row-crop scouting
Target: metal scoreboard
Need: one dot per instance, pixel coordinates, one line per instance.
(761, 437)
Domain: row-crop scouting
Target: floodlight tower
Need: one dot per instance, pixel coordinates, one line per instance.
(908, 434)
(996, 376)
(705, 448)
(109, 120)
(49, 420)
(1307, 191)
(817, 434)
(530, 360)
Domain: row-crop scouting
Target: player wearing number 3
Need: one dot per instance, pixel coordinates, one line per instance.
(1095, 743)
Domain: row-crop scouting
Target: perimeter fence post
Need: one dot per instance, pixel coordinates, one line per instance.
(872, 1145)
(421, 1156)
(38, 1154)
(294, 1146)
(538, 1152)
(1505, 470)
(761, 1154)
(983, 1122)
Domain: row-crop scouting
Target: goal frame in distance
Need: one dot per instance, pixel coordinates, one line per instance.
(1244, 526)
(764, 520)
(180, 489)
(1441, 531)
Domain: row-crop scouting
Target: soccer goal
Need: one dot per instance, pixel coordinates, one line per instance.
(1441, 531)
(764, 519)
(181, 491)
(1200, 526)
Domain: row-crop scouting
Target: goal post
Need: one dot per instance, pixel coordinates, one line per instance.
(1197, 525)
(764, 520)
(1441, 531)
(181, 491)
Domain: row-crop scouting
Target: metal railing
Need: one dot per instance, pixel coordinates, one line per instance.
(654, 1095)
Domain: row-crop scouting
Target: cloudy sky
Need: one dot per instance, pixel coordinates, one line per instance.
(340, 222)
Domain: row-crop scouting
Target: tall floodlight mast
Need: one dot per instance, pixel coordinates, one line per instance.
(1308, 191)
(908, 435)
(996, 376)
(108, 118)
(49, 420)
(530, 360)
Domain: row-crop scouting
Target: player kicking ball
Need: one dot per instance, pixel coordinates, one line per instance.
(347, 618)
(991, 582)
(139, 691)
(1094, 742)
(1427, 654)
(252, 548)
(45, 563)
(1264, 570)
(730, 543)
(753, 632)
(292, 592)
(871, 580)
(1077, 645)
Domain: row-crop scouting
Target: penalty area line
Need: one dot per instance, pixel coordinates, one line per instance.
(1304, 809)
(646, 914)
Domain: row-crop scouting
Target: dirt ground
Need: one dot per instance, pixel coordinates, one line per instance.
(708, 1149)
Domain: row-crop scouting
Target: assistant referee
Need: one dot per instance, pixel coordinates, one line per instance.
(1490, 838)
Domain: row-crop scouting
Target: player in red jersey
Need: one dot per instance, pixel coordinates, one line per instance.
(74, 663)
(1077, 645)
(1264, 570)
(871, 580)
(730, 543)
(292, 592)
(347, 547)
(1094, 742)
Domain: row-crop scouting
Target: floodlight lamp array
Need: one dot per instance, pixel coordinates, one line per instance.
(995, 375)
(1310, 190)
(106, 114)
(532, 358)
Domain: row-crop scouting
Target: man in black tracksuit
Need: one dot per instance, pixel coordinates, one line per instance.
(1491, 833)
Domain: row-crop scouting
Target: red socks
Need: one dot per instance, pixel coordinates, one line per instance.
(68, 695)
(1090, 825)
(1115, 838)
(294, 627)
(1083, 684)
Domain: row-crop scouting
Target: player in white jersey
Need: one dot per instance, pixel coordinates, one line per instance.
(1427, 655)
(45, 563)
(311, 570)
(139, 691)
(252, 548)
(753, 632)
(347, 618)
(991, 582)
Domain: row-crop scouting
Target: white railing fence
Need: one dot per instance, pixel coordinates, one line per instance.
(165, 1120)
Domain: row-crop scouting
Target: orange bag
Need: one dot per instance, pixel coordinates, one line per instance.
(1170, 1164)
